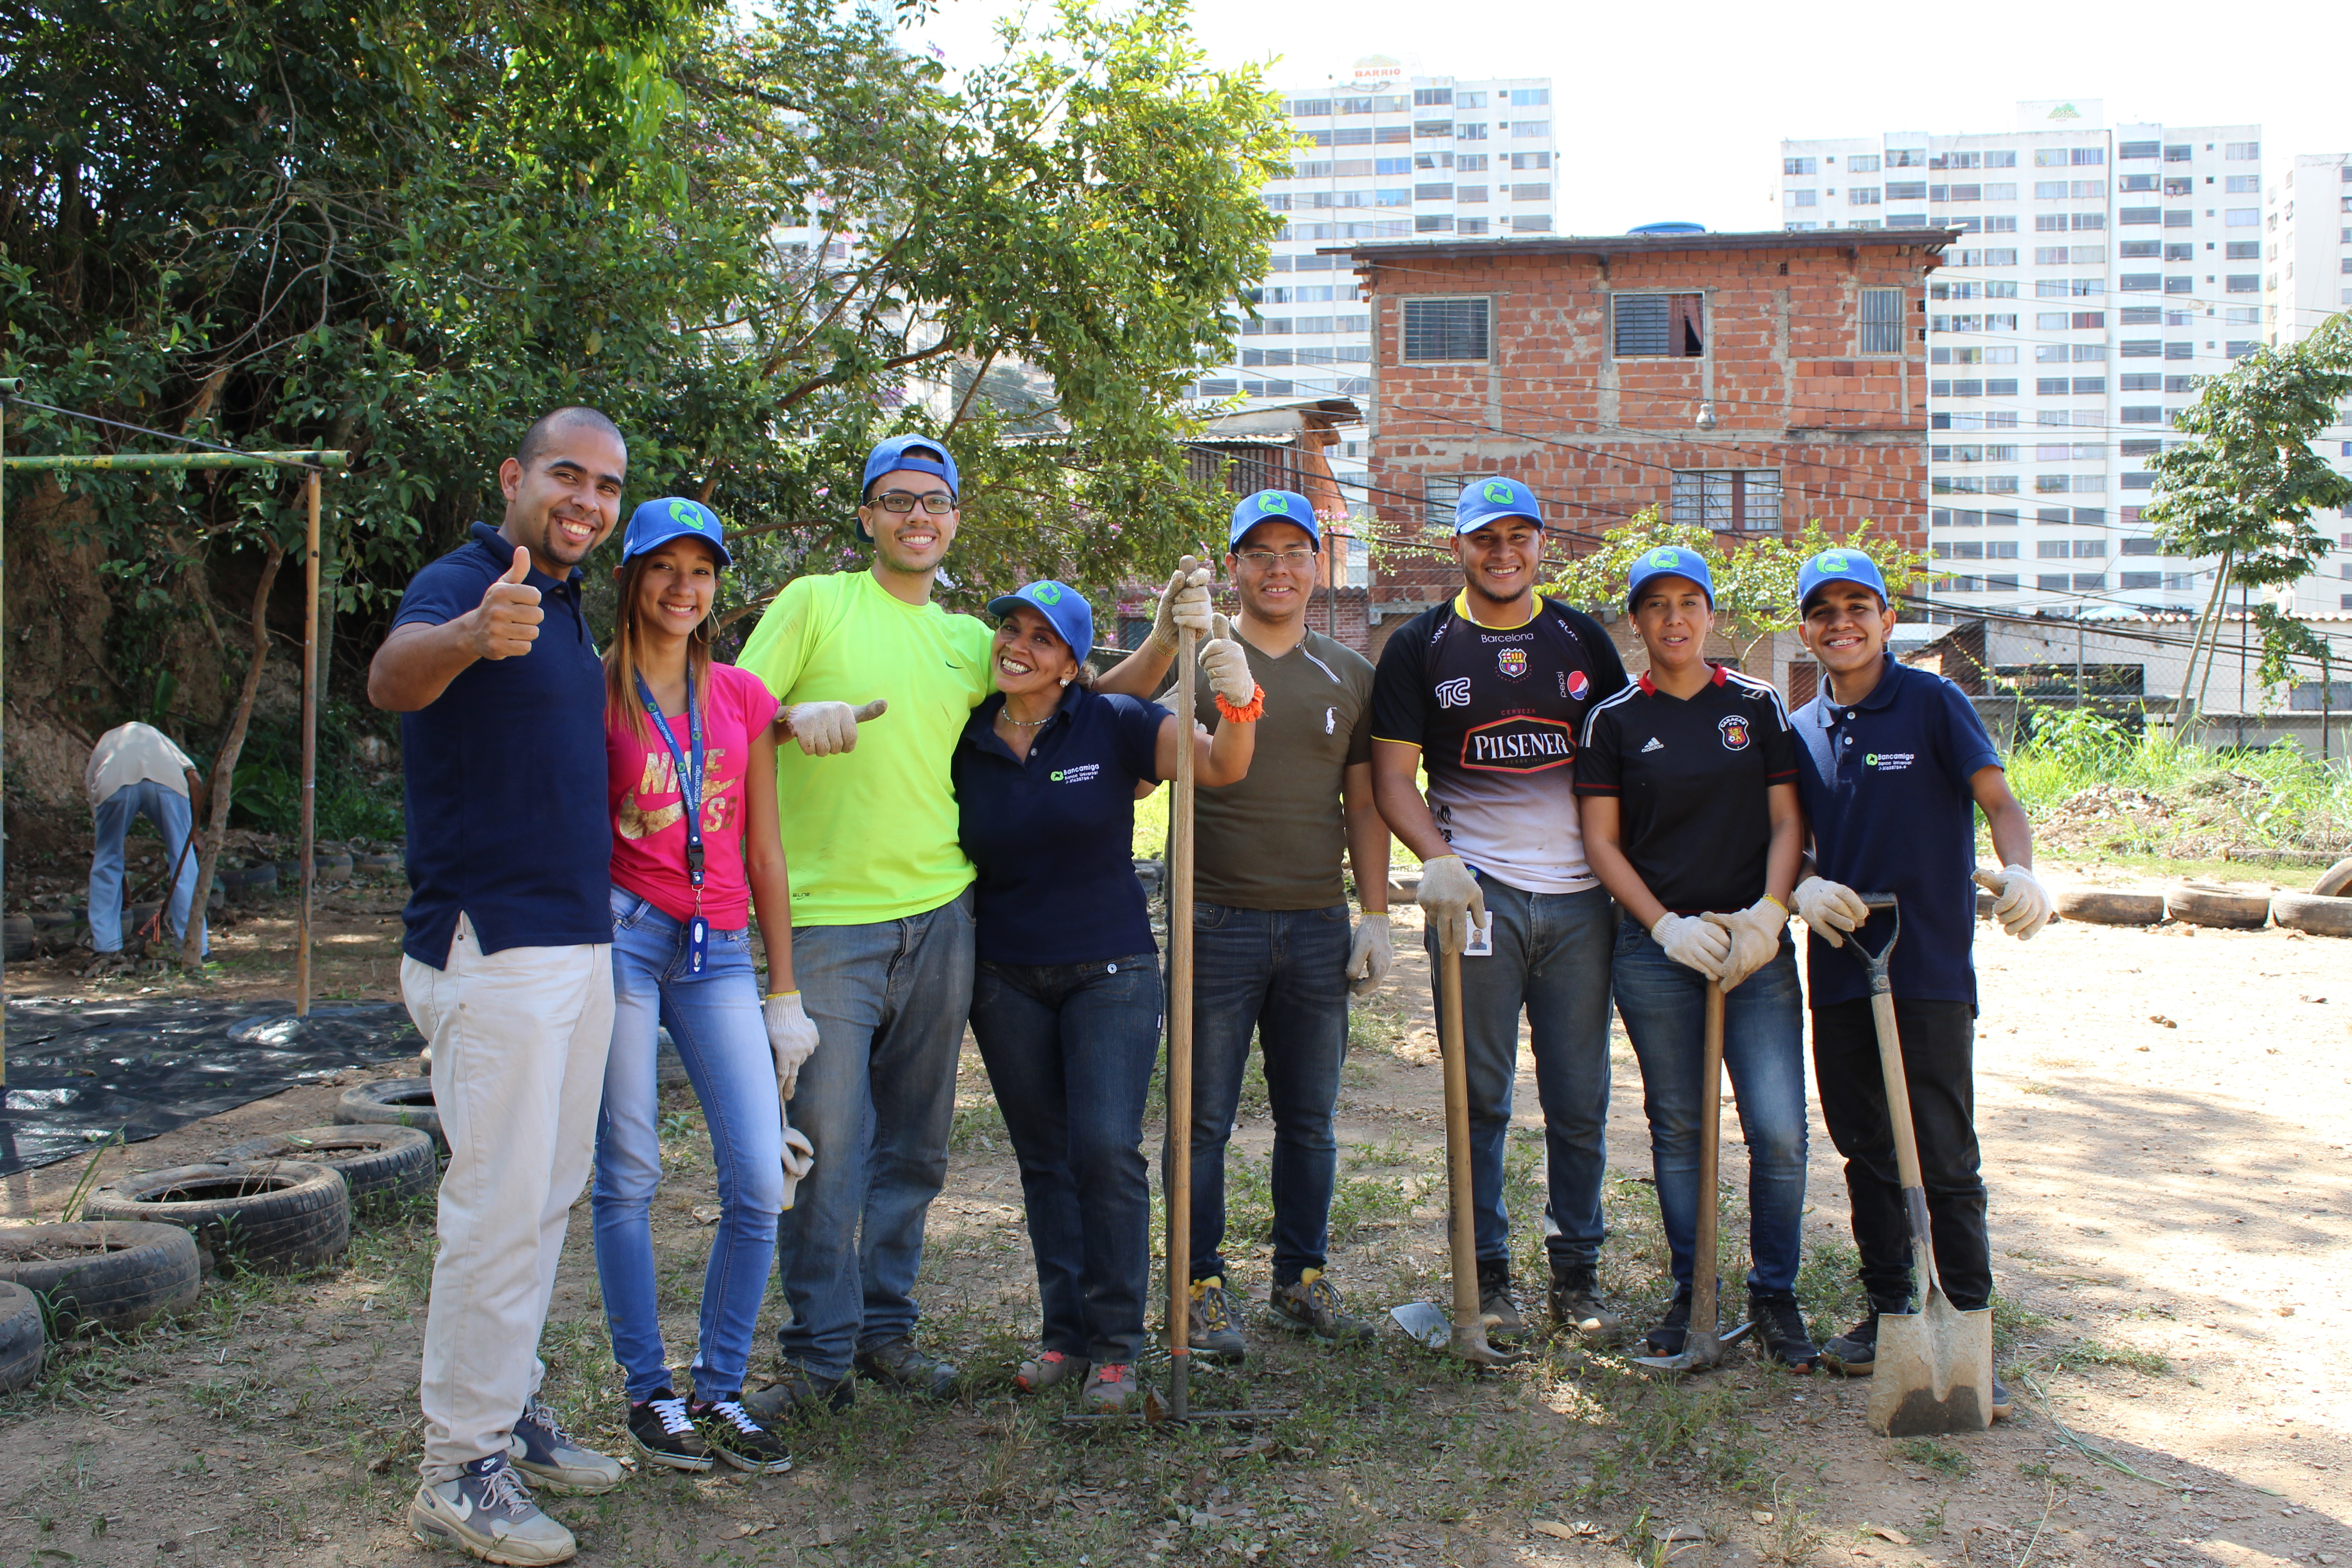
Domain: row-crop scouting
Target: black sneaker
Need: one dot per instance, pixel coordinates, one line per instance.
(1212, 1328)
(1780, 1327)
(735, 1436)
(1577, 1306)
(900, 1364)
(663, 1434)
(1674, 1330)
(1496, 1307)
(2003, 1407)
(797, 1393)
(1311, 1305)
(1854, 1353)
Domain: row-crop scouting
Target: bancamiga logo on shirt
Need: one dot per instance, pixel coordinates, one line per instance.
(1082, 774)
(1518, 745)
(1887, 761)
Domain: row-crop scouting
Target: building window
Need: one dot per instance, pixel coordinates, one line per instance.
(1471, 225)
(1436, 331)
(1862, 164)
(1429, 97)
(1531, 159)
(1532, 193)
(1439, 493)
(1462, 133)
(1476, 193)
(1530, 97)
(1804, 198)
(1861, 196)
(1669, 326)
(1881, 321)
(1530, 223)
(1729, 501)
(2243, 151)
(1431, 222)
(1800, 166)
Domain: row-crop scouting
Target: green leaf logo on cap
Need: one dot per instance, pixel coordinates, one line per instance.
(1274, 500)
(1665, 556)
(1047, 593)
(1834, 560)
(1498, 491)
(686, 512)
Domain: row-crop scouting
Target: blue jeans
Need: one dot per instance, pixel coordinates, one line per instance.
(1663, 1005)
(1550, 959)
(722, 1038)
(1281, 975)
(878, 1101)
(1070, 1048)
(168, 810)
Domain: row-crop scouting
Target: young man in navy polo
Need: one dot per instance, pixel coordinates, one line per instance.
(508, 965)
(1489, 692)
(1893, 766)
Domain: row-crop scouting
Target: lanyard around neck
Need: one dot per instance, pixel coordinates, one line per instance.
(689, 779)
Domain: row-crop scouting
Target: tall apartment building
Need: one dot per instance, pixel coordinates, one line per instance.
(1384, 156)
(2100, 271)
(2308, 278)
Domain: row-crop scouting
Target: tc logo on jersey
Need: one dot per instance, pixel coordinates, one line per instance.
(1734, 732)
(1453, 694)
(1513, 663)
(1518, 745)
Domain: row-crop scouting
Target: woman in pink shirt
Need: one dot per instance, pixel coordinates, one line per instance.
(692, 782)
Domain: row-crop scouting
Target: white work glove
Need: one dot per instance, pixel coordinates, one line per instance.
(1226, 664)
(1183, 605)
(1691, 942)
(2023, 905)
(1829, 909)
(1754, 938)
(1370, 955)
(791, 1038)
(824, 728)
(799, 1155)
(1451, 900)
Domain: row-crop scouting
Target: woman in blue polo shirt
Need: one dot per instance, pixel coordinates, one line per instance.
(1066, 1002)
(1687, 787)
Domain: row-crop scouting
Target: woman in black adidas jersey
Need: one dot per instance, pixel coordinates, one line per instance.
(1687, 784)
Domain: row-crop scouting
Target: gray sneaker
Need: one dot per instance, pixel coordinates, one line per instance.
(487, 1511)
(1212, 1329)
(547, 1456)
(1311, 1305)
(899, 1363)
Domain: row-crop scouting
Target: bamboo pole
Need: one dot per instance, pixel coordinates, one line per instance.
(122, 462)
(310, 746)
(7, 385)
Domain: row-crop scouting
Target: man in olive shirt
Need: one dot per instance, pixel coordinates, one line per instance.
(1272, 952)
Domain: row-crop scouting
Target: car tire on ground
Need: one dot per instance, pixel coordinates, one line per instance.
(269, 1217)
(21, 1338)
(111, 1277)
(2204, 904)
(2313, 915)
(2335, 881)
(381, 1167)
(392, 1102)
(2111, 908)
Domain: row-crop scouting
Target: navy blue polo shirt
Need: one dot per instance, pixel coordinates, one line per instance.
(1885, 788)
(507, 820)
(1052, 838)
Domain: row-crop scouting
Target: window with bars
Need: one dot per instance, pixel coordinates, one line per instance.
(1665, 326)
(1439, 493)
(1444, 329)
(1728, 500)
(1881, 321)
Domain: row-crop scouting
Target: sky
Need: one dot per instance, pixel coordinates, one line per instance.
(1678, 111)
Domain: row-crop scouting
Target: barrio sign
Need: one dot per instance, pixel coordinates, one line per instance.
(1377, 70)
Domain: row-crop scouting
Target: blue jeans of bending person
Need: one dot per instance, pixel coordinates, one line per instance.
(1550, 961)
(722, 1037)
(1663, 1005)
(1280, 975)
(168, 810)
(1070, 1048)
(877, 1100)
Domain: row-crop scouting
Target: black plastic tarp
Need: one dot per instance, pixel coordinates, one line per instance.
(79, 1071)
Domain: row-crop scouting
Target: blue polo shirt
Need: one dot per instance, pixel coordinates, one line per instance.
(1885, 788)
(507, 820)
(1052, 838)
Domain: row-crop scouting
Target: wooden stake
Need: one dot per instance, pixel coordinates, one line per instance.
(1180, 1042)
(310, 748)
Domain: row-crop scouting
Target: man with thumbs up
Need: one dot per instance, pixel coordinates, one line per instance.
(508, 965)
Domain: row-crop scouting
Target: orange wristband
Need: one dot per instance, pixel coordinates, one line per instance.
(1249, 712)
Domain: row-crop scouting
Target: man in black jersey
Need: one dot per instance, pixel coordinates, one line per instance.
(1488, 694)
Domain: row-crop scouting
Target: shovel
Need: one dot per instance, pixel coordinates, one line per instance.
(1934, 1367)
(1702, 1347)
(1465, 1336)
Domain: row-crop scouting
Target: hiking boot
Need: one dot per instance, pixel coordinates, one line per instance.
(1311, 1305)
(1854, 1353)
(898, 1363)
(2003, 1406)
(1212, 1327)
(1112, 1389)
(1780, 1331)
(1496, 1310)
(737, 1438)
(798, 1393)
(1048, 1368)
(1673, 1330)
(547, 1457)
(488, 1512)
(663, 1434)
(1576, 1303)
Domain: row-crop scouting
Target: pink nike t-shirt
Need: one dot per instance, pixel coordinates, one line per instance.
(649, 820)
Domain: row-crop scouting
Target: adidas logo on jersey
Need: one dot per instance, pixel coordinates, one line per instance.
(1655, 745)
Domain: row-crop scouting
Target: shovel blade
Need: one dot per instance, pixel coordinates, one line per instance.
(1934, 1371)
(1423, 1323)
(1701, 1352)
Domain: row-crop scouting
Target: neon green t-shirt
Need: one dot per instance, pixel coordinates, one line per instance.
(871, 834)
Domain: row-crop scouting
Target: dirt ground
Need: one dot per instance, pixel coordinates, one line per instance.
(2165, 1114)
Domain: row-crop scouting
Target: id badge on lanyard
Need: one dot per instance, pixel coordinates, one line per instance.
(689, 796)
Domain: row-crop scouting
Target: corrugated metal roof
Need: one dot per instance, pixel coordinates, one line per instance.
(1607, 245)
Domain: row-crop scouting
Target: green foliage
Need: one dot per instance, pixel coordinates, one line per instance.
(2278, 793)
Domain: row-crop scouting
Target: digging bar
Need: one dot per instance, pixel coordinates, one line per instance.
(1703, 1347)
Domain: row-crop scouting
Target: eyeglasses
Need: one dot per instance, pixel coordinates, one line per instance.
(935, 501)
(1267, 560)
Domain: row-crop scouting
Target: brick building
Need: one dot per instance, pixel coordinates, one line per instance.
(1746, 381)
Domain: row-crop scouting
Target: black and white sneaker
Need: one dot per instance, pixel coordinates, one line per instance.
(662, 1432)
(729, 1431)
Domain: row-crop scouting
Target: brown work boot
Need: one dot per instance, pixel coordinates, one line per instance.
(1496, 1307)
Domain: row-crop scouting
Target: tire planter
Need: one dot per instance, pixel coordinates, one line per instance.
(2210, 906)
(114, 1276)
(2112, 908)
(21, 1338)
(2335, 881)
(2314, 915)
(381, 1167)
(267, 1216)
(332, 868)
(392, 1102)
(249, 881)
(376, 865)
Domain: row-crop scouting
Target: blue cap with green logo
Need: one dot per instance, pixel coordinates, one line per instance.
(1837, 565)
(1668, 561)
(1482, 501)
(1274, 506)
(656, 522)
(1065, 609)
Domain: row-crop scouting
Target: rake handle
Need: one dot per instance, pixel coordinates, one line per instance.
(1461, 1212)
(1180, 1045)
(1710, 1135)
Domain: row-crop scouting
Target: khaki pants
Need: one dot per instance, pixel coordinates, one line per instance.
(518, 1042)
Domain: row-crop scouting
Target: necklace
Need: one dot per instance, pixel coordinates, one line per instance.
(1005, 716)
